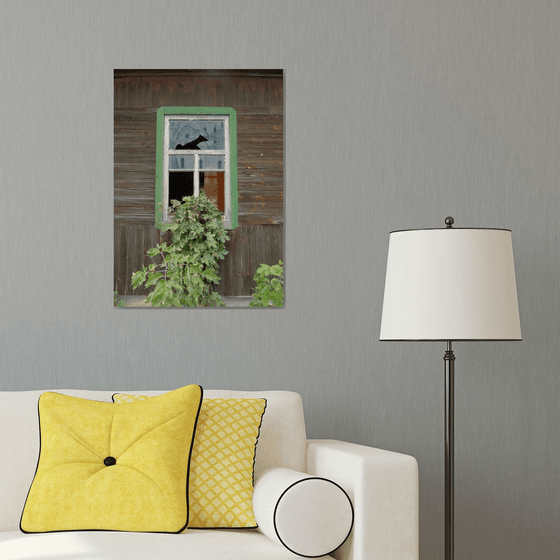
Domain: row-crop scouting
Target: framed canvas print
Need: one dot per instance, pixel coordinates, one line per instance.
(198, 188)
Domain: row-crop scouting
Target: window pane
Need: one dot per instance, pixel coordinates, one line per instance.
(211, 162)
(196, 134)
(181, 183)
(213, 182)
(181, 162)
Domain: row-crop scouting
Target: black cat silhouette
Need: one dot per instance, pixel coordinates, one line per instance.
(192, 145)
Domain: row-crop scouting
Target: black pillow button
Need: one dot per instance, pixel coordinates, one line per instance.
(110, 461)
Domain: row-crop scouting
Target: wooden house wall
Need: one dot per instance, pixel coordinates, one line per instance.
(257, 97)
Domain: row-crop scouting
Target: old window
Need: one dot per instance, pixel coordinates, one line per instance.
(197, 152)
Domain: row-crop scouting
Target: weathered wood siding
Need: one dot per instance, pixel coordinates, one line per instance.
(131, 241)
(257, 97)
(249, 245)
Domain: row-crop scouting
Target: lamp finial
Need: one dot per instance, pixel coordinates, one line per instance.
(449, 221)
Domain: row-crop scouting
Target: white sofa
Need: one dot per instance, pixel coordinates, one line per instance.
(382, 485)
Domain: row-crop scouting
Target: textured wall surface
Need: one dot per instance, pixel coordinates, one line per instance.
(397, 114)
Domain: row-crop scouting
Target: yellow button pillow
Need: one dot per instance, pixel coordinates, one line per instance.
(116, 468)
(222, 461)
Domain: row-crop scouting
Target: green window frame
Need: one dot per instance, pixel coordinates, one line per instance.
(199, 159)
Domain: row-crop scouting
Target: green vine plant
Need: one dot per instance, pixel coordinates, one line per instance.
(116, 301)
(270, 286)
(189, 265)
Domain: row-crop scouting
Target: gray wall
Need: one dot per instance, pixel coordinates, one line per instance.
(397, 114)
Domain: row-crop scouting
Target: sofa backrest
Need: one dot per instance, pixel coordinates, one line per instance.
(282, 439)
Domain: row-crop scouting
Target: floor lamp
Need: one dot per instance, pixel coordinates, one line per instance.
(450, 284)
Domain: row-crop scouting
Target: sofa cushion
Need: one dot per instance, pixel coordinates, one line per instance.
(107, 467)
(213, 544)
(282, 441)
(309, 515)
(222, 462)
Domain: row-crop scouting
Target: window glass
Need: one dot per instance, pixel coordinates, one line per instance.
(181, 162)
(211, 162)
(214, 188)
(196, 134)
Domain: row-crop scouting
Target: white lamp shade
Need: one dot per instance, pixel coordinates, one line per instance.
(450, 284)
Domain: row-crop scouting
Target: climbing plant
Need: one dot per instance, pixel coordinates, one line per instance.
(270, 286)
(189, 265)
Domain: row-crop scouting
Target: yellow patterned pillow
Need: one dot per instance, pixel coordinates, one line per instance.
(222, 462)
(104, 467)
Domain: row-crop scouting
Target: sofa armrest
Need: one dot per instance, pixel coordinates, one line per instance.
(383, 486)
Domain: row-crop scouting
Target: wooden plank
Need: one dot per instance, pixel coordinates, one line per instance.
(261, 219)
(237, 287)
(126, 124)
(139, 177)
(276, 93)
(279, 243)
(135, 167)
(135, 124)
(259, 115)
(252, 111)
(119, 257)
(261, 163)
(246, 247)
(258, 139)
(134, 115)
(133, 257)
(135, 145)
(258, 147)
(261, 207)
(276, 183)
(245, 128)
(261, 197)
(134, 208)
(141, 136)
(254, 256)
(127, 184)
(135, 159)
(134, 190)
(227, 266)
(145, 220)
(209, 92)
(131, 201)
(252, 174)
(266, 190)
(120, 93)
(133, 240)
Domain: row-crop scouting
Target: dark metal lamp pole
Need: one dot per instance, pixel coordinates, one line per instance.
(449, 359)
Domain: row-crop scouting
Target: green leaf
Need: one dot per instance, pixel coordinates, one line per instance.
(276, 270)
(153, 278)
(138, 278)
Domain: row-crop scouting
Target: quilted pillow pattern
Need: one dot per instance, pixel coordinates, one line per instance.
(222, 461)
(103, 467)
